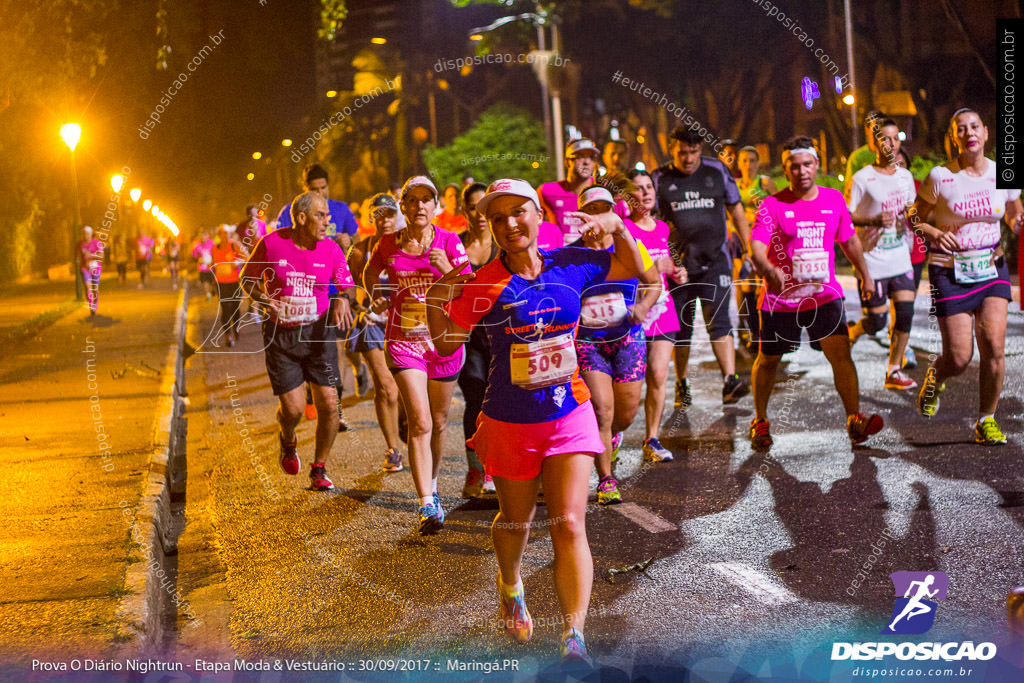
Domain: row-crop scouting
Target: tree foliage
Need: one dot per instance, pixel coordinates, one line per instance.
(505, 142)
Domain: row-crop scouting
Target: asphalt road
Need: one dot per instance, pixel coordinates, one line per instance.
(78, 404)
(753, 558)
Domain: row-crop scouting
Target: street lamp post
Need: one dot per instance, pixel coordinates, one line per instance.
(71, 133)
(854, 124)
(552, 102)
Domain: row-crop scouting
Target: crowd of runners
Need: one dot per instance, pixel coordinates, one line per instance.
(557, 310)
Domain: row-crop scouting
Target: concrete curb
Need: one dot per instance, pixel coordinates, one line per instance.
(156, 524)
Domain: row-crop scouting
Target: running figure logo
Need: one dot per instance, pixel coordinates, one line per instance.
(914, 612)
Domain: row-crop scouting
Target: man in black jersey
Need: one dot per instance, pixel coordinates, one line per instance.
(694, 192)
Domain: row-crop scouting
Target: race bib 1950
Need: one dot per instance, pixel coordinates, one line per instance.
(810, 265)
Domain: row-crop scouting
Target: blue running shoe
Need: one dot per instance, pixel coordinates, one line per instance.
(431, 520)
(515, 618)
(437, 504)
(574, 649)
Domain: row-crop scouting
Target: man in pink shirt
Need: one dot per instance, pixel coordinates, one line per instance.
(289, 273)
(792, 247)
(560, 197)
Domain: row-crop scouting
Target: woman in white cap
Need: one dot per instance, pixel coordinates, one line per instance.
(611, 346)
(414, 258)
(537, 423)
(369, 332)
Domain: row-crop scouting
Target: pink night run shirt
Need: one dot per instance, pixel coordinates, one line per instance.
(662, 318)
(298, 278)
(204, 253)
(549, 237)
(800, 236)
(556, 201)
(88, 248)
(412, 276)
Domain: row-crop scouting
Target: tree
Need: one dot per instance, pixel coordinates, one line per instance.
(505, 142)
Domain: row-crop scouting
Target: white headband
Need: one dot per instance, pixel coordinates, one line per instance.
(787, 153)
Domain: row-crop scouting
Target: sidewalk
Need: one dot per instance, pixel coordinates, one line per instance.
(78, 408)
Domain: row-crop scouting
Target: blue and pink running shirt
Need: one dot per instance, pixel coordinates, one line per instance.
(531, 327)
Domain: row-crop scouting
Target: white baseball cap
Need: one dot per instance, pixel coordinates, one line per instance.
(505, 187)
(596, 193)
(576, 147)
(415, 181)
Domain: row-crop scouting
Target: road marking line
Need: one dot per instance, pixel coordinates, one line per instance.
(645, 518)
(753, 581)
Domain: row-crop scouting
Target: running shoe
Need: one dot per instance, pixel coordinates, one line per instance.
(608, 492)
(909, 359)
(515, 618)
(616, 442)
(986, 433)
(928, 396)
(861, 426)
(574, 649)
(760, 435)
(392, 461)
(431, 519)
(489, 486)
(897, 380)
(318, 480)
(683, 398)
(474, 485)
(655, 452)
(289, 457)
(733, 389)
(342, 424)
(437, 504)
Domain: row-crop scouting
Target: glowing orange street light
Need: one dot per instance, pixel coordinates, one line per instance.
(71, 133)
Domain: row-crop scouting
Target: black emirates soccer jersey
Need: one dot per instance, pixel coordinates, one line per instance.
(694, 206)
